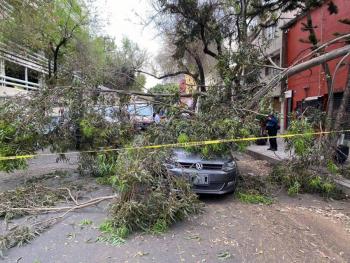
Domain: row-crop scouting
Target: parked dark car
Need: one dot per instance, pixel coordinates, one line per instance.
(208, 176)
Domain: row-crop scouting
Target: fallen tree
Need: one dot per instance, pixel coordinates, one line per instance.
(297, 69)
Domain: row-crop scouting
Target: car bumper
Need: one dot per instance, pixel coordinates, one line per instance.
(219, 182)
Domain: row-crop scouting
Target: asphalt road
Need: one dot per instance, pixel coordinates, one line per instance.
(292, 230)
(303, 229)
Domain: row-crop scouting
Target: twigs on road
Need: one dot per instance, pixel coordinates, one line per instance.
(36, 210)
(91, 202)
(24, 233)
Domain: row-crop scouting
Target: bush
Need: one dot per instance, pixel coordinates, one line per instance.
(160, 226)
(254, 198)
(98, 165)
(315, 183)
(150, 200)
(332, 167)
(294, 189)
(16, 140)
(297, 178)
(203, 127)
(302, 145)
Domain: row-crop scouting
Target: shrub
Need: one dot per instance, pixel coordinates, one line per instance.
(315, 184)
(122, 232)
(106, 164)
(87, 128)
(294, 189)
(302, 145)
(254, 198)
(328, 187)
(160, 226)
(150, 199)
(98, 165)
(297, 178)
(332, 167)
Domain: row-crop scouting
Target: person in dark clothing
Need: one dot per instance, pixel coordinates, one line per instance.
(272, 128)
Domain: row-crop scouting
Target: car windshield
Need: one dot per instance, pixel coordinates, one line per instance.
(110, 111)
(141, 110)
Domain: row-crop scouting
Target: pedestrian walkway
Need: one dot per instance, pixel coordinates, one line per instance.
(260, 152)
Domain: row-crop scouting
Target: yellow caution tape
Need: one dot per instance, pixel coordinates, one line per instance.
(18, 157)
(174, 145)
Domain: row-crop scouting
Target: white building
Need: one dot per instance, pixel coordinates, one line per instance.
(21, 69)
(274, 56)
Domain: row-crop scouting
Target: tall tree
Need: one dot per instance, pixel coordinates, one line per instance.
(45, 26)
(229, 32)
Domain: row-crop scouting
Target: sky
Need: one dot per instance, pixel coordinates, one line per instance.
(123, 18)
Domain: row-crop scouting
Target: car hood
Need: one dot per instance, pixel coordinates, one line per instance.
(180, 155)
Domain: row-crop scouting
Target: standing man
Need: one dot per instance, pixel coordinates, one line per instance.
(272, 127)
(156, 118)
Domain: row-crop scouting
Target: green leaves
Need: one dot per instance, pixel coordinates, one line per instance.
(16, 139)
(254, 198)
(150, 199)
(87, 128)
(294, 189)
(302, 145)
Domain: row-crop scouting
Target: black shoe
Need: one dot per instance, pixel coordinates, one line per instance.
(274, 150)
(269, 149)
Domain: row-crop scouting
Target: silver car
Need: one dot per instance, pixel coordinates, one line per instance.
(208, 176)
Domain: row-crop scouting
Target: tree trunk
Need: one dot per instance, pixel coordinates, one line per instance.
(49, 66)
(341, 114)
(201, 74)
(300, 68)
(55, 58)
(56, 51)
(314, 41)
(330, 104)
(200, 81)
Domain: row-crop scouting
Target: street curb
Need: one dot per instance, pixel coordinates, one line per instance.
(344, 185)
(263, 157)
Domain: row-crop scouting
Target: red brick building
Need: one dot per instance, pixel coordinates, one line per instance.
(309, 87)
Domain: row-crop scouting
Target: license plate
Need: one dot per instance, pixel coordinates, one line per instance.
(200, 179)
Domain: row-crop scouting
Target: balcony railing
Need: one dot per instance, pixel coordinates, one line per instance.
(13, 82)
(24, 57)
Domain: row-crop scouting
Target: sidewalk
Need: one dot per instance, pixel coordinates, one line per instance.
(260, 152)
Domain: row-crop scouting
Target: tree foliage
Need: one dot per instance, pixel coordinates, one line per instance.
(229, 32)
(150, 198)
(45, 26)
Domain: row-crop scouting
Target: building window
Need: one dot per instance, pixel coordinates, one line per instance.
(270, 32)
(33, 76)
(271, 70)
(14, 70)
(253, 24)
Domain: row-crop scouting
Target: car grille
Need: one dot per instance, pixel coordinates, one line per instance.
(206, 166)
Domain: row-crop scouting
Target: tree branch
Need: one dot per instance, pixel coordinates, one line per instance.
(168, 75)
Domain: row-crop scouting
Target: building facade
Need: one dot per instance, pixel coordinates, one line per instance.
(309, 88)
(274, 52)
(21, 70)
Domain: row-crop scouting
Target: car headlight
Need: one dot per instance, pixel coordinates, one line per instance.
(231, 165)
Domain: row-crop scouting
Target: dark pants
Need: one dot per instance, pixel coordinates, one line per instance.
(273, 141)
